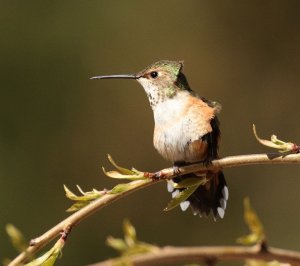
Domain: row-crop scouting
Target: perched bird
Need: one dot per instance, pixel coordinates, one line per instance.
(186, 131)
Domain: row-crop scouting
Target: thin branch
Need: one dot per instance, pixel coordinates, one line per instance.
(231, 161)
(75, 218)
(171, 255)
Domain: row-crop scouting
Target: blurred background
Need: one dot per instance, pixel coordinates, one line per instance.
(57, 125)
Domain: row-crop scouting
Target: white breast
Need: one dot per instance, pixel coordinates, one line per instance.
(176, 127)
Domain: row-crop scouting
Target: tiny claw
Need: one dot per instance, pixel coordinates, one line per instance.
(176, 170)
(158, 175)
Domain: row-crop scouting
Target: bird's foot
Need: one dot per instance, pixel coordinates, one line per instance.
(176, 170)
(157, 176)
(176, 167)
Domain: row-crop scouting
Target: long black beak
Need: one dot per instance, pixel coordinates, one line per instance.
(125, 76)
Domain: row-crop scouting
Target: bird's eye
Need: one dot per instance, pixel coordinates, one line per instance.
(153, 74)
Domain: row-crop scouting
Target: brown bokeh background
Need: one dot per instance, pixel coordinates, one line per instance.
(57, 125)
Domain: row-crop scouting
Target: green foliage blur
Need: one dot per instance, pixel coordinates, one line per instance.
(57, 125)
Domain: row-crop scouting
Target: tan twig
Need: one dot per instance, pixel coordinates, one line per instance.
(171, 255)
(74, 219)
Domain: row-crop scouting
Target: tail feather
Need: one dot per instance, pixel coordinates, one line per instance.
(211, 197)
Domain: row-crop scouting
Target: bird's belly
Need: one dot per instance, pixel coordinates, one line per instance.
(180, 123)
(177, 145)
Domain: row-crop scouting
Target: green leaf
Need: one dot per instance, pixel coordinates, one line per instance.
(276, 143)
(77, 206)
(120, 188)
(182, 196)
(252, 219)
(116, 243)
(123, 173)
(69, 194)
(85, 199)
(130, 245)
(16, 237)
(117, 175)
(86, 196)
(255, 226)
(129, 233)
(190, 182)
(49, 258)
(122, 170)
(249, 239)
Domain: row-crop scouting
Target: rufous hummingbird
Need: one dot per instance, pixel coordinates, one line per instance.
(186, 131)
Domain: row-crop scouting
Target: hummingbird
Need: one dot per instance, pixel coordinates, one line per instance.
(186, 131)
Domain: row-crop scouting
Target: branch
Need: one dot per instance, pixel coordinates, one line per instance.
(108, 198)
(210, 255)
